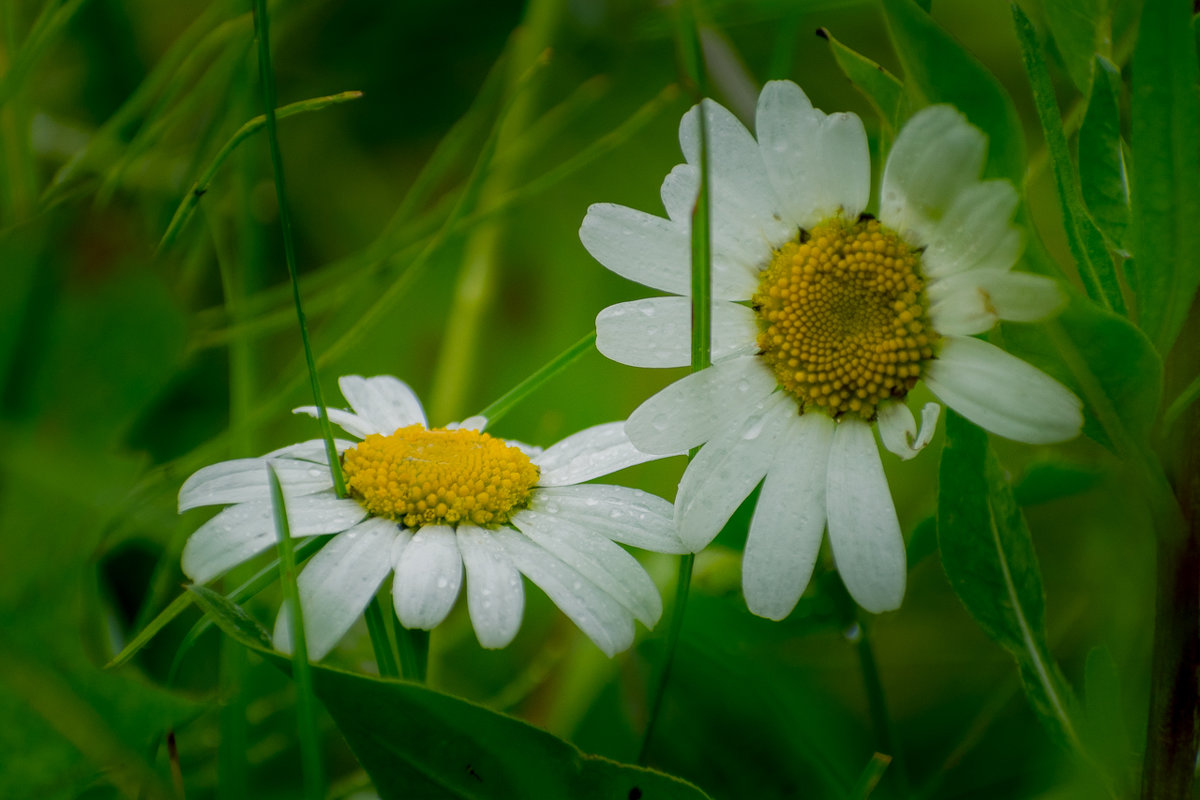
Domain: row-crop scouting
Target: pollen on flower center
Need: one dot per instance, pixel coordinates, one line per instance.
(842, 317)
(439, 477)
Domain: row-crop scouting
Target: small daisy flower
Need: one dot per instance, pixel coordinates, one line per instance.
(823, 320)
(440, 507)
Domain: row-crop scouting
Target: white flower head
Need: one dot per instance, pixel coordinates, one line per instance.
(823, 320)
(440, 507)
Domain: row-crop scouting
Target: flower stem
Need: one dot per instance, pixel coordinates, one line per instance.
(385, 657)
(535, 381)
(267, 74)
(682, 588)
(413, 645)
(885, 731)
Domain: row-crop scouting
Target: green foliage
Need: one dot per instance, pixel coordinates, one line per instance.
(1080, 31)
(883, 90)
(1103, 173)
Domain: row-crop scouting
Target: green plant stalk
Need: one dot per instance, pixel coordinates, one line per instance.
(306, 699)
(413, 646)
(689, 36)
(881, 718)
(267, 75)
(380, 643)
(537, 380)
(197, 190)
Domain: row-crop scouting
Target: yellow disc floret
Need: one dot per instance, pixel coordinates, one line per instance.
(842, 317)
(439, 477)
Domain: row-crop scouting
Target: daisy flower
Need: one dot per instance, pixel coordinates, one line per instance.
(823, 320)
(440, 507)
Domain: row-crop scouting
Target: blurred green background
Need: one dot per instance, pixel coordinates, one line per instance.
(124, 367)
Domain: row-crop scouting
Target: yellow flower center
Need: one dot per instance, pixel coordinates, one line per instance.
(843, 320)
(439, 477)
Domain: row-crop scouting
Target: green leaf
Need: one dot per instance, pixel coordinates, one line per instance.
(1109, 363)
(1076, 25)
(938, 70)
(416, 742)
(1166, 177)
(1044, 481)
(1092, 259)
(1103, 177)
(883, 90)
(988, 556)
(1105, 730)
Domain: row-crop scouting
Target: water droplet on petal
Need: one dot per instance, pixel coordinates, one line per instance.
(442, 583)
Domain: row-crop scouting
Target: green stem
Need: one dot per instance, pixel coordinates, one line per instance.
(881, 719)
(306, 701)
(385, 658)
(414, 652)
(682, 588)
(538, 379)
(262, 33)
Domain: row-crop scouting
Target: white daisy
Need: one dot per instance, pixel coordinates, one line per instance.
(440, 506)
(823, 320)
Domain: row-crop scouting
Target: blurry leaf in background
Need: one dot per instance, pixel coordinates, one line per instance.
(988, 556)
(1105, 730)
(1080, 31)
(1165, 113)
(883, 90)
(938, 70)
(1103, 176)
(475, 753)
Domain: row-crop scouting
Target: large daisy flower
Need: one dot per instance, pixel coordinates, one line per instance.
(439, 507)
(823, 320)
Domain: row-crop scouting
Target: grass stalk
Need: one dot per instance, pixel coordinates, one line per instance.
(515, 395)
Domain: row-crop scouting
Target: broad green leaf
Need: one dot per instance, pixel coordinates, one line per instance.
(416, 742)
(1103, 177)
(1092, 259)
(1166, 175)
(1109, 363)
(1077, 28)
(1044, 481)
(988, 556)
(938, 70)
(883, 90)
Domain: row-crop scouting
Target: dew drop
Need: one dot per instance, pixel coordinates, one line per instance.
(754, 431)
(660, 422)
(442, 583)
(853, 633)
(576, 586)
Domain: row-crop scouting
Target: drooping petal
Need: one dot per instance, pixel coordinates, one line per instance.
(789, 519)
(976, 233)
(350, 422)
(605, 621)
(972, 302)
(936, 155)
(428, 577)
(657, 331)
(898, 427)
(650, 250)
(246, 479)
(695, 408)
(243, 531)
(819, 164)
(495, 592)
(727, 469)
(625, 515)
(592, 452)
(313, 450)
(596, 558)
(745, 211)
(382, 401)
(863, 530)
(337, 584)
(1001, 393)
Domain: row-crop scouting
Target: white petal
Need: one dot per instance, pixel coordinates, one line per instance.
(475, 423)
(819, 165)
(603, 619)
(383, 401)
(898, 427)
(679, 191)
(657, 332)
(727, 469)
(650, 250)
(972, 302)
(863, 530)
(789, 519)
(592, 452)
(428, 577)
(246, 479)
(976, 233)
(312, 450)
(596, 558)
(495, 592)
(936, 155)
(351, 423)
(1003, 394)
(246, 529)
(699, 406)
(337, 584)
(744, 205)
(625, 515)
